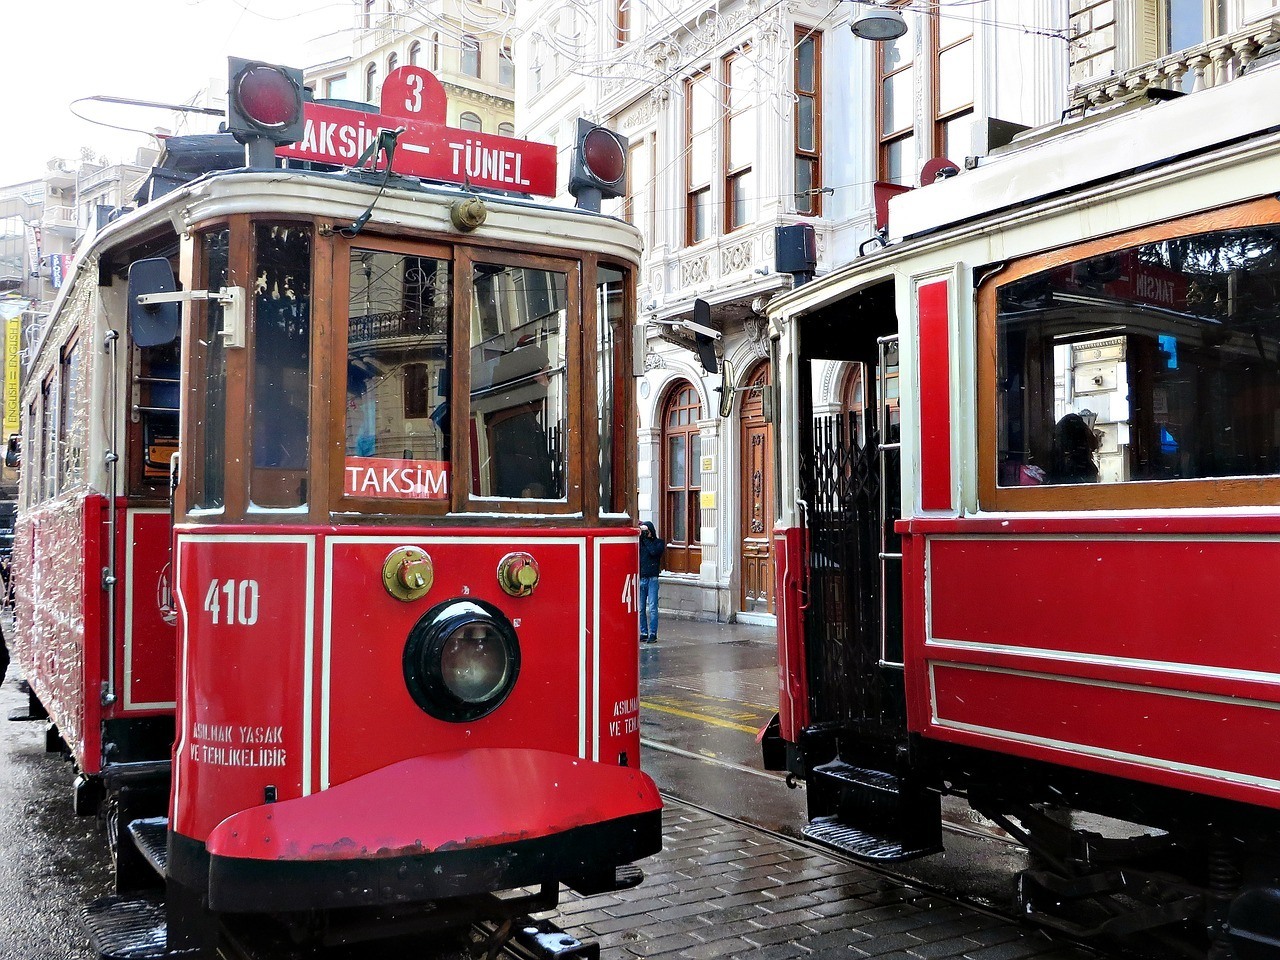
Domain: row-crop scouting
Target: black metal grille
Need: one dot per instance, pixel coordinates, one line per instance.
(841, 480)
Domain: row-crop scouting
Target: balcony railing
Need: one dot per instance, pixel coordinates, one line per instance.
(1209, 64)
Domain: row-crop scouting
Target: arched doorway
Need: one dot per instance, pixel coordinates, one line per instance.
(681, 479)
(755, 551)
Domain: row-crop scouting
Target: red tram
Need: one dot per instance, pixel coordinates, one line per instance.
(326, 558)
(1032, 564)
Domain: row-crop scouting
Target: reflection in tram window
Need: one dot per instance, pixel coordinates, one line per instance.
(610, 341)
(1164, 357)
(398, 345)
(281, 365)
(519, 416)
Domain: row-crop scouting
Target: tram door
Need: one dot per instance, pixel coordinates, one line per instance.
(755, 555)
(850, 486)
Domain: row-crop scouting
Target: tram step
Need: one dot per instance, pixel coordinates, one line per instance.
(151, 837)
(872, 814)
(830, 832)
(132, 928)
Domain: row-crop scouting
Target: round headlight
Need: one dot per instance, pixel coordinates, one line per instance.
(461, 660)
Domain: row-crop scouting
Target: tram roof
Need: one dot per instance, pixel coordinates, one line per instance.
(1126, 153)
(405, 204)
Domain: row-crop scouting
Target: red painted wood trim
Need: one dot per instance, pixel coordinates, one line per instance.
(935, 396)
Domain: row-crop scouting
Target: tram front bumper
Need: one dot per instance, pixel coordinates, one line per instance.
(434, 827)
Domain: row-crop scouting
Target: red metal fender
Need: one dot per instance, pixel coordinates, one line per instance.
(450, 801)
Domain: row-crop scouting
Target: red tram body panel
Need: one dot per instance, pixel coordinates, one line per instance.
(1031, 567)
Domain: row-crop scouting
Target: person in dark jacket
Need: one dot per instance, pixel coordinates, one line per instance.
(651, 549)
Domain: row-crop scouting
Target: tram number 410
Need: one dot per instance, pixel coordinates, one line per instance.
(236, 600)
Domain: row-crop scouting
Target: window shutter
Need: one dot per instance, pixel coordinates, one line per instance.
(1149, 31)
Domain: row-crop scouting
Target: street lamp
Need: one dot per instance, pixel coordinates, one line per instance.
(879, 24)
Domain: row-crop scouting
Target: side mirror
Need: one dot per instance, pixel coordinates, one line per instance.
(726, 389)
(155, 323)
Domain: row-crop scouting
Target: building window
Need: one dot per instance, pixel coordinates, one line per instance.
(470, 56)
(621, 22)
(470, 121)
(335, 88)
(952, 40)
(415, 54)
(506, 68)
(639, 197)
(392, 62)
(681, 478)
(435, 53)
(506, 129)
(739, 139)
(808, 122)
(700, 101)
(371, 83)
(896, 82)
(366, 18)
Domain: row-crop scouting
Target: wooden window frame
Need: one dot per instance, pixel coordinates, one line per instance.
(692, 190)
(814, 156)
(884, 142)
(1127, 495)
(938, 119)
(621, 23)
(681, 554)
(731, 176)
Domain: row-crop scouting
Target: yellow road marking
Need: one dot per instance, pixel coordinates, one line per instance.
(690, 715)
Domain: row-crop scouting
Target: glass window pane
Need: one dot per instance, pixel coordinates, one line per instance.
(901, 164)
(805, 169)
(957, 136)
(740, 196)
(898, 53)
(805, 126)
(281, 366)
(1156, 362)
(398, 347)
(955, 72)
(695, 460)
(701, 210)
(897, 110)
(954, 25)
(676, 461)
(211, 419)
(519, 388)
(678, 503)
(805, 65)
(611, 338)
(742, 140)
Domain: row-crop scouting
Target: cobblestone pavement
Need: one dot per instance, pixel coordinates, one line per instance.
(721, 889)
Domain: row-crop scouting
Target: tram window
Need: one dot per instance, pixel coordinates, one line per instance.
(281, 366)
(71, 419)
(398, 349)
(1154, 362)
(211, 413)
(611, 337)
(156, 379)
(48, 439)
(519, 388)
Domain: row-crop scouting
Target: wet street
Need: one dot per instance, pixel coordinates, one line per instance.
(723, 887)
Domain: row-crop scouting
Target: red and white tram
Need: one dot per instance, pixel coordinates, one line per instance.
(376, 655)
(1032, 562)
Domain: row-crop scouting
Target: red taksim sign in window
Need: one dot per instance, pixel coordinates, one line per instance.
(413, 100)
(387, 478)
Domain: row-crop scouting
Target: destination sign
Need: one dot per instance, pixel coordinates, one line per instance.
(413, 103)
